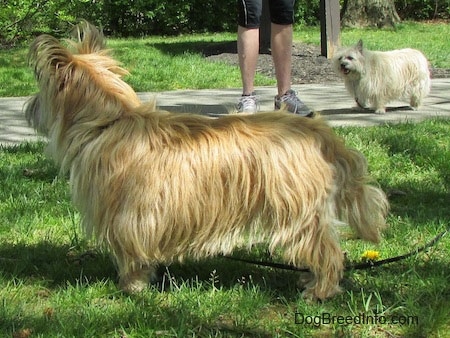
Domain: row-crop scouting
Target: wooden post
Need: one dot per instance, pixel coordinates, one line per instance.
(330, 25)
(264, 28)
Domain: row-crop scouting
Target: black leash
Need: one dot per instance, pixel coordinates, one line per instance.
(357, 266)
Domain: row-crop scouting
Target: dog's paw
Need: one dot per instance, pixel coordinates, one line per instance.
(360, 104)
(132, 286)
(306, 279)
(136, 281)
(313, 294)
(309, 296)
(380, 111)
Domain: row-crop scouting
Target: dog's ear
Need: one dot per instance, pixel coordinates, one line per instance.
(359, 46)
(88, 39)
(47, 55)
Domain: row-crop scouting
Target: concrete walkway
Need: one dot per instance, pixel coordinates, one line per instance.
(331, 100)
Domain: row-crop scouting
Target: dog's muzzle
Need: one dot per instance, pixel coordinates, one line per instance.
(344, 69)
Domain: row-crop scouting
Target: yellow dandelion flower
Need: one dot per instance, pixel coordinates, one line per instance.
(370, 255)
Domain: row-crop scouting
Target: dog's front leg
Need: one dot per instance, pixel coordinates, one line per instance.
(317, 247)
(380, 106)
(328, 270)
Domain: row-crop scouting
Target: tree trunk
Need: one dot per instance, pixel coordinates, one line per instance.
(369, 13)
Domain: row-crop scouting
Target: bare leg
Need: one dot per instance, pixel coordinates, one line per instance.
(248, 50)
(281, 41)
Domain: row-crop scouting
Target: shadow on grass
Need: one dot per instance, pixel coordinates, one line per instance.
(33, 165)
(61, 265)
(423, 146)
(201, 47)
(56, 265)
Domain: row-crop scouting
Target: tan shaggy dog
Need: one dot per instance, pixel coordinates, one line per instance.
(156, 186)
(375, 78)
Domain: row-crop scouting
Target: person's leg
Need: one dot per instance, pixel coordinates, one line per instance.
(248, 50)
(282, 17)
(281, 41)
(249, 14)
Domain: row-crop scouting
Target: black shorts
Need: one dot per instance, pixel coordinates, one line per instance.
(249, 12)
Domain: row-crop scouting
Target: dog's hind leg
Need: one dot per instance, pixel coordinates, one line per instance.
(416, 97)
(420, 90)
(414, 102)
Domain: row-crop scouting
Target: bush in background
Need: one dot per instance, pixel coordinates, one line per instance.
(23, 19)
(423, 9)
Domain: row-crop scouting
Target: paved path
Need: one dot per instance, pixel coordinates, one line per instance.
(331, 100)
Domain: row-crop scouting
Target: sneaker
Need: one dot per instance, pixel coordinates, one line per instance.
(292, 103)
(248, 104)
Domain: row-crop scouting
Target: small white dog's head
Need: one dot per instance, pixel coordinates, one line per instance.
(350, 62)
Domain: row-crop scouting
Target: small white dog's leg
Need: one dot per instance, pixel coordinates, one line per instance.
(380, 107)
(415, 102)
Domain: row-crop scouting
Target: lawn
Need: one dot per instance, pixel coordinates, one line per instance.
(55, 283)
(169, 63)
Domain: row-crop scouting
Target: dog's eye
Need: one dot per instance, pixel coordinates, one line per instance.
(350, 58)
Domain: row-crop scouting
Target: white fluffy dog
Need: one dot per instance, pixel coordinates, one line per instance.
(375, 78)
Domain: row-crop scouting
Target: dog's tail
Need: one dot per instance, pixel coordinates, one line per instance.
(359, 202)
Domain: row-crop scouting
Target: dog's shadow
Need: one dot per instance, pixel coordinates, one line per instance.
(62, 265)
(221, 272)
(362, 111)
(217, 110)
(201, 109)
(58, 265)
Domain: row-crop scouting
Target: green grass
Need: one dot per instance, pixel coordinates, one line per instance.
(54, 283)
(168, 63)
(159, 63)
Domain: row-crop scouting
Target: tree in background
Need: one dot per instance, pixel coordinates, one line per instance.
(23, 19)
(369, 13)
